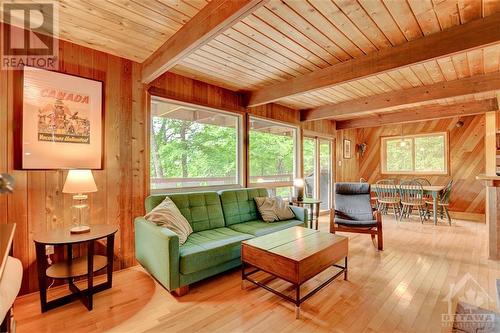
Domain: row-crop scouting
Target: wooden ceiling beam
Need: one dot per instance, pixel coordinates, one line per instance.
(214, 18)
(421, 113)
(466, 86)
(475, 34)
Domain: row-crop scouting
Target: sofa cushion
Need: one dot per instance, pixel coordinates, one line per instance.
(239, 205)
(209, 248)
(259, 227)
(167, 215)
(273, 209)
(202, 209)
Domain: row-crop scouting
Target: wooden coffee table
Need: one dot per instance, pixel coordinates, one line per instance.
(295, 255)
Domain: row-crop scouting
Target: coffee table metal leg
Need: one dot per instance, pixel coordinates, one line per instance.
(297, 301)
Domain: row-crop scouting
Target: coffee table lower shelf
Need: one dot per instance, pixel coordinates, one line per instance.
(298, 300)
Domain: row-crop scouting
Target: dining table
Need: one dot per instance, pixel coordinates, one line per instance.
(431, 190)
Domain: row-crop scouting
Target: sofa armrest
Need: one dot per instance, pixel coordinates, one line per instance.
(157, 249)
(300, 214)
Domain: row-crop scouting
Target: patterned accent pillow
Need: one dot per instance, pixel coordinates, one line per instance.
(167, 215)
(273, 209)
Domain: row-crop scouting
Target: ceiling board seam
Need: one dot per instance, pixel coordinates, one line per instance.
(321, 32)
(273, 51)
(361, 30)
(305, 36)
(284, 46)
(340, 30)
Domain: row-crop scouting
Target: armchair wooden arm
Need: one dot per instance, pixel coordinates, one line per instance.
(373, 231)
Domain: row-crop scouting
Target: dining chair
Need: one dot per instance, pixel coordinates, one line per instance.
(353, 212)
(422, 181)
(373, 195)
(388, 196)
(412, 197)
(443, 202)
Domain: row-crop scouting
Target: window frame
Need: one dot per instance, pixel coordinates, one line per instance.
(383, 154)
(239, 148)
(296, 155)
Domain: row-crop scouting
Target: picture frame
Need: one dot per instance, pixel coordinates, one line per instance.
(347, 149)
(60, 122)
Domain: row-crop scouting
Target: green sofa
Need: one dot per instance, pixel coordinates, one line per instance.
(220, 221)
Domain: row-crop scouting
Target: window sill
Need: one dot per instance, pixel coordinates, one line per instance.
(194, 189)
(414, 173)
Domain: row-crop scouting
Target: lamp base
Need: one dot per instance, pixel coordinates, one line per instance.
(81, 229)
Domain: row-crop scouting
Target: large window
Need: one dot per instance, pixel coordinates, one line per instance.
(272, 154)
(193, 146)
(414, 154)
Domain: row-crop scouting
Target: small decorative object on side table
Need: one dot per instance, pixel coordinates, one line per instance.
(313, 209)
(84, 266)
(298, 184)
(79, 182)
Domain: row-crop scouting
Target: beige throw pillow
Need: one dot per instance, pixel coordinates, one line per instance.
(273, 209)
(167, 215)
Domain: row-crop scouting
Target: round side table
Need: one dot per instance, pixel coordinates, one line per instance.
(313, 209)
(71, 268)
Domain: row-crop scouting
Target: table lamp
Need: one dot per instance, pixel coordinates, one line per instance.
(79, 182)
(298, 183)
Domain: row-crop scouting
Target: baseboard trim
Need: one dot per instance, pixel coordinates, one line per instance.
(474, 217)
(467, 216)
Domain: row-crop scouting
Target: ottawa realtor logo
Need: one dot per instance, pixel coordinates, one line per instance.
(30, 35)
(472, 299)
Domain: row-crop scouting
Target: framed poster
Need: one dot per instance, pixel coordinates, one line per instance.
(61, 121)
(347, 149)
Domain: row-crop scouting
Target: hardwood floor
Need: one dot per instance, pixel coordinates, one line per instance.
(401, 289)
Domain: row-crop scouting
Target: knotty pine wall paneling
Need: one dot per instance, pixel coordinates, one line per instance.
(347, 169)
(322, 127)
(38, 203)
(276, 112)
(183, 89)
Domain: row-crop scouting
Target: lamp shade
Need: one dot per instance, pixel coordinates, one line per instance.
(79, 181)
(298, 182)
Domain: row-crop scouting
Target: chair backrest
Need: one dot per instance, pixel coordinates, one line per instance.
(309, 186)
(386, 189)
(394, 181)
(352, 201)
(422, 181)
(445, 196)
(411, 191)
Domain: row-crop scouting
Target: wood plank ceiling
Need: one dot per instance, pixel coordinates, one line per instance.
(131, 29)
(289, 38)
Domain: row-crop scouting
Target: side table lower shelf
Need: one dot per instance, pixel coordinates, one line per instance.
(83, 266)
(75, 268)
